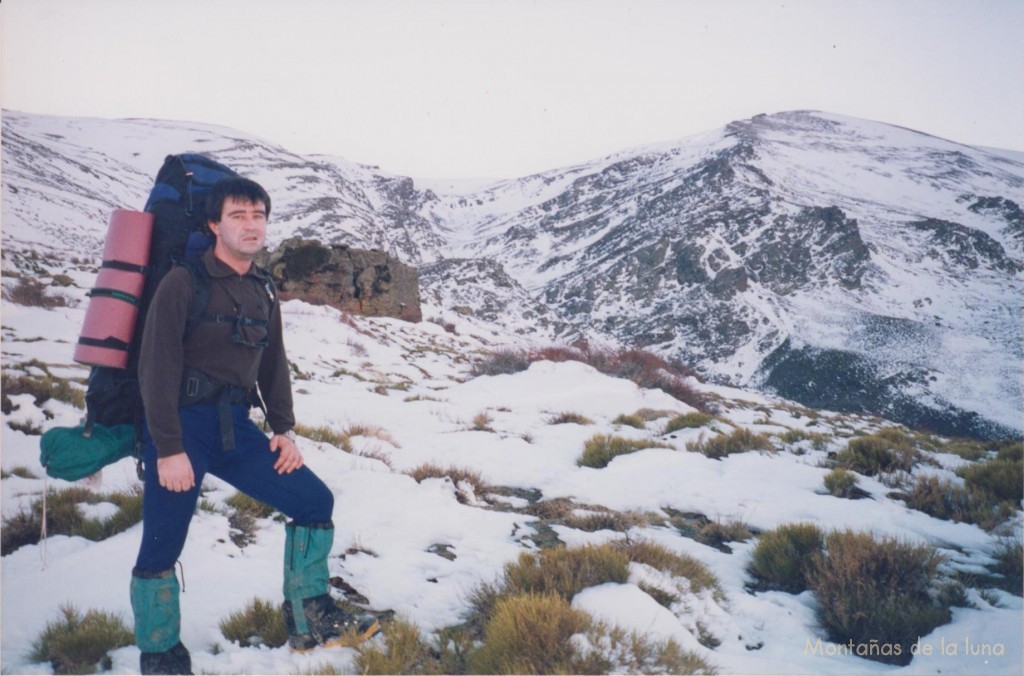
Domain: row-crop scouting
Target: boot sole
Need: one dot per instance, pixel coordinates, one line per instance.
(347, 640)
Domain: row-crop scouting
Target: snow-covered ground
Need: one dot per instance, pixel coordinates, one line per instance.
(409, 387)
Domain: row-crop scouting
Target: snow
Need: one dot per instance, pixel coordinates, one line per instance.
(408, 387)
(387, 523)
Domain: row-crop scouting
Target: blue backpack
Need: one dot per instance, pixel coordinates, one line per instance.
(178, 204)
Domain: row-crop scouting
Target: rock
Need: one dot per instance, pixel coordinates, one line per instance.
(359, 281)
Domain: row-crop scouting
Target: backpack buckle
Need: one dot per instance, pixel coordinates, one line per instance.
(192, 386)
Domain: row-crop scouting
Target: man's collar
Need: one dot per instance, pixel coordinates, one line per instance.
(218, 268)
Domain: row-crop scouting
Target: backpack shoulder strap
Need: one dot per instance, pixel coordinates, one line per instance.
(200, 293)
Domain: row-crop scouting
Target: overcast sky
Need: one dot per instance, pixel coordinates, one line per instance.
(459, 88)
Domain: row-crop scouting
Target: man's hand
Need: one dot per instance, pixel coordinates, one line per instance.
(291, 457)
(175, 472)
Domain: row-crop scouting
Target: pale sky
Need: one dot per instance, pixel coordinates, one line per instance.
(461, 88)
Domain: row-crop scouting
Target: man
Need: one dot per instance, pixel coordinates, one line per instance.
(204, 426)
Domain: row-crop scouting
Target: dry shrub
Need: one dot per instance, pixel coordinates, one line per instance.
(783, 557)
(691, 420)
(872, 591)
(370, 431)
(482, 422)
(530, 634)
(819, 441)
(567, 571)
(1009, 556)
(630, 420)
(678, 565)
(1003, 479)
(325, 434)
(561, 570)
(644, 368)
(604, 520)
(405, 652)
(65, 517)
(42, 388)
(569, 417)
(501, 362)
(841, 483)
(32, 293)
(458, 476)
(260, 623)
(739, 441)
(884, 452)
(717, 533)
(601, 449)
(1011, 450)
(78, 644)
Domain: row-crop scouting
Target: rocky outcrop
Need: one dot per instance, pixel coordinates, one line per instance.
(359, 281)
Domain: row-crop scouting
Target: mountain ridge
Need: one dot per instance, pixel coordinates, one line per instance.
(855, 264)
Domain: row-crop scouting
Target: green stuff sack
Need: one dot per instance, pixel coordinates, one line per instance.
(68, 454)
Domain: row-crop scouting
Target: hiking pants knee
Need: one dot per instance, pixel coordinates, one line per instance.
(249, 467)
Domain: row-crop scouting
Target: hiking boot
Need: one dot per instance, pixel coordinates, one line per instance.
(327, 624)
(174, 661)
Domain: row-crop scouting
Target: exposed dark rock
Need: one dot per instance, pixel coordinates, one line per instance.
(966, 247)
(359, 281)
(852, 383)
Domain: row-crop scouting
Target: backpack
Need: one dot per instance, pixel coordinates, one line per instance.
(177, 202)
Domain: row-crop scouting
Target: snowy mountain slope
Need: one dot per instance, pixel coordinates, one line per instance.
(838, 262)
(406, 388)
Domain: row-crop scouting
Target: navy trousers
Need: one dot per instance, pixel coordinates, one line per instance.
(249, 467)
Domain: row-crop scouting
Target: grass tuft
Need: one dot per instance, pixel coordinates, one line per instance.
(260, 623)
(877, 591)
(783, 557)
(601, 449)
(78, 644)
(460, 477)
(841, 483)
(568, 417)
(530, 634)
(690, 420)
(741, 440)
(884, 452)
(65, 517)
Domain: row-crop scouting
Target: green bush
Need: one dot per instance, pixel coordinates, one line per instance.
(690, 420)
(739, 441)
(601, 449)
(841, 483)
(783, 557)
(261, 622)
(877, 591)
(77, 644)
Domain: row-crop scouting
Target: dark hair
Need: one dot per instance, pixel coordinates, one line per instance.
(241, 189)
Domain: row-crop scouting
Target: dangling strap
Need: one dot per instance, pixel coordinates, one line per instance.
(42, 529)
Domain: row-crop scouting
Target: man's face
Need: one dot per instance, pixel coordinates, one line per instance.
(242, 230)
